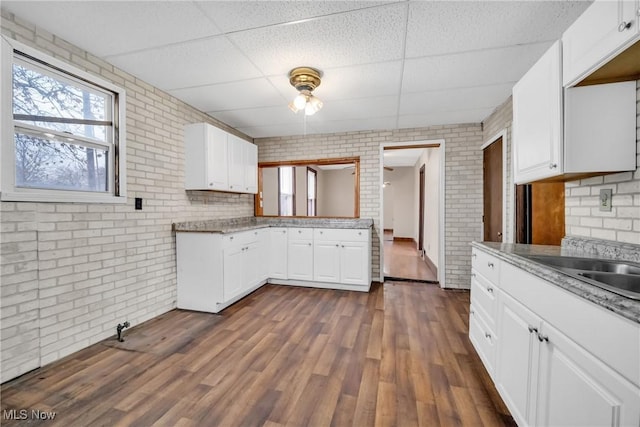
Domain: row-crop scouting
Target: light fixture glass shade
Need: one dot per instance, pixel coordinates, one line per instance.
(313, 105)
(300, 101)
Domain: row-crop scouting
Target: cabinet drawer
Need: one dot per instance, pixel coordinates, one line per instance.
(483, 339)
(485, 264)
(240, 238)
(341, 234)
(483, 297)
(300, 233)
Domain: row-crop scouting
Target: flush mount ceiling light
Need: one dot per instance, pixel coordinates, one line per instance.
(305, 80)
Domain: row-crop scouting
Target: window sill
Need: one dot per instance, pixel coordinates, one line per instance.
(66, 197)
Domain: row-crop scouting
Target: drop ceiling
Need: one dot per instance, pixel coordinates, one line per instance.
(386, 65)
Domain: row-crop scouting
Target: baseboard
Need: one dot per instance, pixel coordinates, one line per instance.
(388, 230)
(320, 285)
(403, 239)
(430, 264)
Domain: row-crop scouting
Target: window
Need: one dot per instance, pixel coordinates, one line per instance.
(286, 191)
(63, 138)
(312, 191)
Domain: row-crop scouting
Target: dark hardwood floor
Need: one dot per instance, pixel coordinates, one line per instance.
(283, 356)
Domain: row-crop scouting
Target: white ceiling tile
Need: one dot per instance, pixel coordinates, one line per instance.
(235, 16)
(365, 36)
(256, 117)
(110, 27)
(454, 99)
(356, 81)
(477, 68)
(379, 123)
(275, 130)
(197, 63)
(401, 158)
(443, 118)
(231, 96)
(437, 27)
(362, 108)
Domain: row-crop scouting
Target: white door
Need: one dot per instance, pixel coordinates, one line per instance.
(233, 271)
(577, 389)
(278, 253)
(236, 164)
(250, 168)
(300, 260)
(326, 261)
(516, 362)
(354, 265)
(217, 171)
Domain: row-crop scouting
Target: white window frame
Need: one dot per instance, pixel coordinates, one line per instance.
(8, 189)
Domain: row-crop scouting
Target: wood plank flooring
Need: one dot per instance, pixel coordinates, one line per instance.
(402, 260)
(283, 356)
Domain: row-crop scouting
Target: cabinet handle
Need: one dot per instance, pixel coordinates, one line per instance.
(299, 231)
(321, 232)
(255, 232)
(337, 245)
(473, 312)
(542, 337)
(553, 165)
(231, 186)
(473, 274)
(490, 290)
(474, 255)
(487, 335)
(490, 265)
(359, 233)
(231, 238)
(625, 25)
(343, 246)
(211, 184)
(309, 244)
(284, 231)
(532, 329)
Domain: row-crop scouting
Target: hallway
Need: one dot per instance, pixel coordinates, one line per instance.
(402, 260)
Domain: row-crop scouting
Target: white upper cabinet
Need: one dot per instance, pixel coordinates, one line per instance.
(573, 133)
(217, 160)
(205, 153)
(537, 120)
(604, 30)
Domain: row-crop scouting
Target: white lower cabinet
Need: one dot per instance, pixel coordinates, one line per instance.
(278, 253)
(300, 254)
(215, 270)
(559, 360)
(341, 256)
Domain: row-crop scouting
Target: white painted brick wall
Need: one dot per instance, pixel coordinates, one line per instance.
(582, 214)
(463, 176)
(71, 272)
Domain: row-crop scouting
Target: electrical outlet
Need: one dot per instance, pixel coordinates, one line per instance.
(605, 199)
(138, 203)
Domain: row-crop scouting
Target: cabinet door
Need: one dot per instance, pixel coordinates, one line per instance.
(577, 389)
(250, 168)
(217, 178)
(354, 263)
(236, 163)
(234, 280)
(596, 36)
(300, 260)
(537, 120)
(326, 261)
(252, 270)
(278, 253)
(516, 362)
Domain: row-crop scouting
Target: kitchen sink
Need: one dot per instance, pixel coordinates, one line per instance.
(587, 264)
(619, 277)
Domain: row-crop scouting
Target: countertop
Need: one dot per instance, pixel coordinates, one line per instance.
(234, 225)
(512, 253)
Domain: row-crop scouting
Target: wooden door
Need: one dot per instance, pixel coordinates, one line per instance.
(547, 213)
(421, 212)
(492, 190)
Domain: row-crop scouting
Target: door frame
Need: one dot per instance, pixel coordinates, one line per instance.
(430, 143)
(507, 202)
(421, 191)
